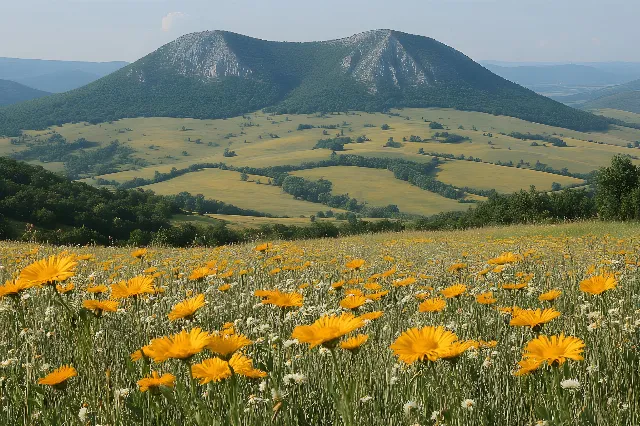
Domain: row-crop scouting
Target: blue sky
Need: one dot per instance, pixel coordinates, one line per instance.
(508, 30)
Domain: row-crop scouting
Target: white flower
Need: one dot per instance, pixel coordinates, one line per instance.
(82, 414)
(487, 362)
(365, 399)
(571, 384)
(288, 343)
(276, 395)
(468, 404)
(296, 378)
(393, 380)
(263, 386)
(324, 351)
(592, 369)
(121, 393)
(542, 423)
(409, 406)
(435, 416)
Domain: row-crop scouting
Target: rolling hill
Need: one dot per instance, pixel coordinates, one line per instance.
(12, 92)
(217, 74)
(625, 97)
(55, 76)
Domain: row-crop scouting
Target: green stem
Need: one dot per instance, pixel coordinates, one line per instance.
(348, 414)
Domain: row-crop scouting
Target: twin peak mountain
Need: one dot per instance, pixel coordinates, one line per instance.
(217, 74)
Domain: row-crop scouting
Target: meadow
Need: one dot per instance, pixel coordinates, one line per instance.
(528, 325)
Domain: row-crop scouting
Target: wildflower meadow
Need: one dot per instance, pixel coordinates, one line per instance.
(540, 327)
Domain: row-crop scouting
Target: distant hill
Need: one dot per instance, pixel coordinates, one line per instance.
(625, 97)
(12, 92)
(55, 76)
(217, 74)
(567, 75)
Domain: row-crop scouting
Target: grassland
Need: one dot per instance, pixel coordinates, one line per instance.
(380, 187)
(502, 179)
(226, 186)
(262, 140)
(629, 117)
(295, 384)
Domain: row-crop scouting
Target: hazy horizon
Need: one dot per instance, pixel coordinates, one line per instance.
(489, 30)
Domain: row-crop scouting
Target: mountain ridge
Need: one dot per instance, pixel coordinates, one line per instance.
(12, 92)
(218, 74)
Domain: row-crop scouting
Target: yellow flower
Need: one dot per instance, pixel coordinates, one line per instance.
(187, 308)
(97, 289)
(456, 349)
(456, 267)
(179, 346)
(554, 349)
(486, 298)
(505, 258)
(48, 271)
(418, 344)
(598, 284)
(139, 253)
(140, 353)
(514, 286)
(377, 296)
(327, 330)
(531, 318)
(549, 295)
(99, 306)
(353, 344)
(199, 274)
(61, 288)
(282, 300)
(353, 302)
(13, 288)
(454, 291)
(527, 366)
(373, 286)
(211, 370)
(243, 366)
(435, 304)
(405, 282)
(355, 264)
(225, 345)
(154, 381)
(134, 287)
(224, 287)
(264, 247)
(58, 378)
(370, 316)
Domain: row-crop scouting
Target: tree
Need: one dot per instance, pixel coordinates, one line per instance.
(555, 186)
(618, 190)
(385, 127)
(244, 177)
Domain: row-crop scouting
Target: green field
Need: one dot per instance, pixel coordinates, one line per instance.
(629, 117)
(502, 179)
(379, 188)
(263, 140)
(226, 186)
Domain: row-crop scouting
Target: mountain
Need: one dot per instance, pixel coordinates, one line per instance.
(55, 76)
(12, 92)
(216, 74)
(59, 81)
(625, 97)
(562, 75)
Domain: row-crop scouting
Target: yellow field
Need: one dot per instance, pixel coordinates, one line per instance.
(527, 325)
(379, 188)
(502, 179)
(226, 186)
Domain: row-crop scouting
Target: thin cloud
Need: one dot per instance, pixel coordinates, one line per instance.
(170, 19)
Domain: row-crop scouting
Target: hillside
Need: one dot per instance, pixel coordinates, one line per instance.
(12, 92)
(221, 74)
(625, 97)
(55, 76)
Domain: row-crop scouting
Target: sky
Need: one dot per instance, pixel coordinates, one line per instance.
(503, 30)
